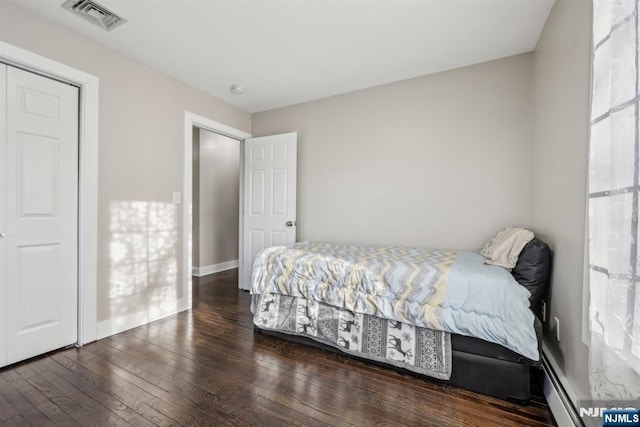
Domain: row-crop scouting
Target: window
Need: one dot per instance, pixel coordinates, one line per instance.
(614, 175)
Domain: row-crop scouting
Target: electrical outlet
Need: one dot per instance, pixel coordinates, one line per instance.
(177, 197)
(544, 311)
(557, 324)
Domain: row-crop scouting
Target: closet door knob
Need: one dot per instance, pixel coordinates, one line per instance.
(2, 235)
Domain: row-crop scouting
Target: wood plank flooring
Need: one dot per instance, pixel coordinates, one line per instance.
(206, 367)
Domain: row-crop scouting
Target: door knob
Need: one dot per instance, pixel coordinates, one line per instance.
(289, 223)
(3, 235)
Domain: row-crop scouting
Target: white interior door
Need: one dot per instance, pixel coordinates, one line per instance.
(3, 214)
(39, 214)
(269, 196)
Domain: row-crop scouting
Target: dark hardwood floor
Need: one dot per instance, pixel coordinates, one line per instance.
(206, 367)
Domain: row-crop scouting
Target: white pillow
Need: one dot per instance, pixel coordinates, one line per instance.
(503, 250)
(484, 251)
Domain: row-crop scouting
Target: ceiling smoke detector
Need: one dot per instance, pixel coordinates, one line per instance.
(237, 89)
(94, 13)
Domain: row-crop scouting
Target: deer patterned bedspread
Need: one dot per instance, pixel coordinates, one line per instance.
(420, 350)
(451, 291)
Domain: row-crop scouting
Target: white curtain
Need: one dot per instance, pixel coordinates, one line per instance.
(614, 173)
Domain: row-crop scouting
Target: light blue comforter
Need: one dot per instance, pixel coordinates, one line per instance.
(485, 301)
(438, 289)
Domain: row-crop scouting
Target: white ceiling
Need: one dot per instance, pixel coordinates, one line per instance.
(290, 51)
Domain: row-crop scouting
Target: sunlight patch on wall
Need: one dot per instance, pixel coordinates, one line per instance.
(143, 255)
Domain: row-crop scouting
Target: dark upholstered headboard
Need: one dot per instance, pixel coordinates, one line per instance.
(533, 270)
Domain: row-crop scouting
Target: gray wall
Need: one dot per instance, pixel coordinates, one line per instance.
(140, 165)
(218, 199)
(562, 64)
(438, 161)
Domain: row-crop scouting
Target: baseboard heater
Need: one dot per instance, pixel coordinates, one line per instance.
(562, 408)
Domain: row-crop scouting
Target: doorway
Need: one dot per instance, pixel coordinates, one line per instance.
(215, 202)
(192, 120)
(279, 153)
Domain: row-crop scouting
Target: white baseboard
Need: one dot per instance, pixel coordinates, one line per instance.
(119, 324)
(214, 268)
(558, 392)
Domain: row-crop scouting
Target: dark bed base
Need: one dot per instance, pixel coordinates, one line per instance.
(494, 377)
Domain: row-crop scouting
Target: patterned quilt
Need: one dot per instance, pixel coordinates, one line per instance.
(420, 350)
(438, 289)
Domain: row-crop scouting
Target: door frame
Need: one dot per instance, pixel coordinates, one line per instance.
(192, 120)
(88, 138)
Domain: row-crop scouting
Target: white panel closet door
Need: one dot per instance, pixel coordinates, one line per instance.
(270, 164)
(40, 214)
(3, 214)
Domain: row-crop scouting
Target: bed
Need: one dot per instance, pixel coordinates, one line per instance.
(436, 313)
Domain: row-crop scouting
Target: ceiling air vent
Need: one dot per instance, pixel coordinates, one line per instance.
(94, 13)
